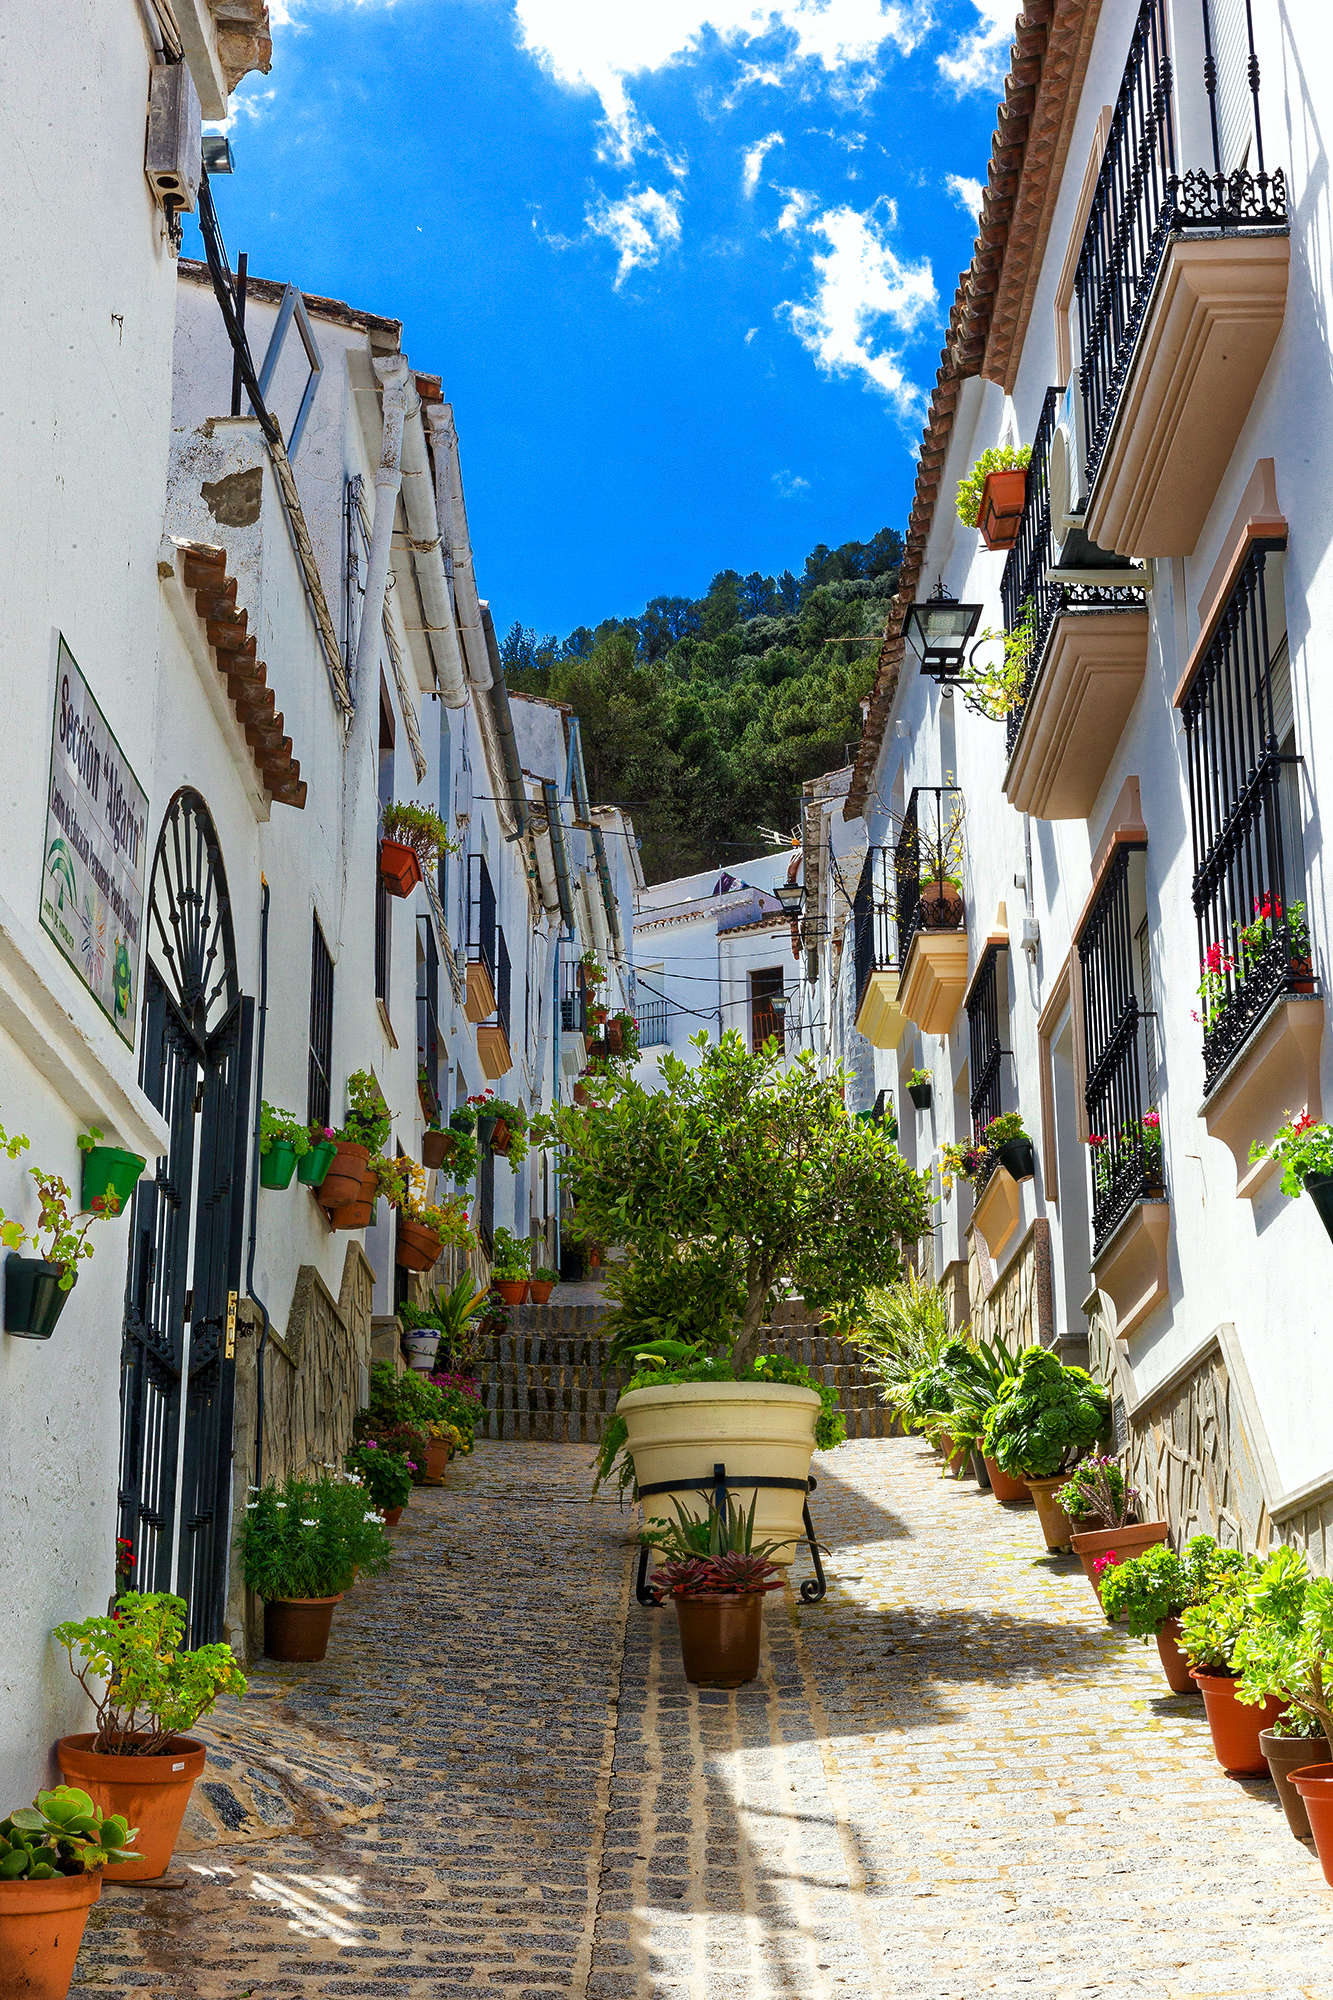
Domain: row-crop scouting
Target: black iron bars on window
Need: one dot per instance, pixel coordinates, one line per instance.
(1124, 1138)
(873, 940)
(984, 1049)
(928, 864)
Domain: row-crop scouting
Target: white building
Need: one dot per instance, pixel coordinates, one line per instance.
(1147, 308)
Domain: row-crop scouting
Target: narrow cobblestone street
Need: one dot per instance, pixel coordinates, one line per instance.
(952, 1778)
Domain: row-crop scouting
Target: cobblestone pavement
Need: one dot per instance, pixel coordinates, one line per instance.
(952, 1778)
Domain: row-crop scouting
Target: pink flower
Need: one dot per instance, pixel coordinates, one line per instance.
(1151, 1118)
(1109, 1561)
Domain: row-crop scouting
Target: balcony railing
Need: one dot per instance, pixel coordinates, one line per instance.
(1124, 1137)
(928, 862)
(573, 999)
(1141, 201)
(502, 982)
(481, 916)
(874, 933)
(428, 1014)
(653, 1024)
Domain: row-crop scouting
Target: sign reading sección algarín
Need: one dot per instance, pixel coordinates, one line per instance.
(96, 851)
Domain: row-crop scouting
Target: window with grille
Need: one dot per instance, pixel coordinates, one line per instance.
(1249, 876)
(481, 915)
(318, 1092)
(984, 1045)
(383, 914)
(1124, 1137)
(428, 1011)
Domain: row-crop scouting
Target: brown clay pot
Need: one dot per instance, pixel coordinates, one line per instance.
(400, 867)
(1056, 1526)
(151, 1792)
(435, 1148)
(580, 1094)
(437, 1459)
(392, 1516)
(1004, 1486)
(953, 1454)
(1001, 514)
(719, 1638)
(540, 1293)
(500, 1139)
(1235, 1725)
(41, 1929)
(342, 1183)
(417, 1247)
(1175, 1663)
(512, 1290)
(360, 1213)
(297, 1628)
(1286, 1754)
(1126, 1542)
(1314, 1783)
(615, 1038)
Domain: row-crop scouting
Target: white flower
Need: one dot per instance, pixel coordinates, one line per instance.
(373, 1516)
(279, 1503)
(308, 1524)
(251, 1505)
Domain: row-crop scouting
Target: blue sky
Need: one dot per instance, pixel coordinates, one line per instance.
(684, 266)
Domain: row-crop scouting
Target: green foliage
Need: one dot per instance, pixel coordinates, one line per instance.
(613, 1461)
(953, 1391)
(1160, 1584)
(672, 1305)
(1003, 1130)
(419, 828)
(151, 1689)
(1303, 1147)
(916, 1077)
(1285, 1646)
(61, 1833)
(385, 1476)
(1097, 1489)
(308, 1538)
(998, 458)
(719, 1531)
(997, 689)
(410, 1408)
(1209, 1629)
(899, 1329)
(275, 1124)
(516, 1118)
(1047, 1417)
(368, 1120)
(511, 1256)
(57, 1236)
(456, 1314)
(748, 1162)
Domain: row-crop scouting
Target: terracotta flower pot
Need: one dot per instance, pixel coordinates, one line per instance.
(41, 1929)
(297, 1628)
(540, 1293)
(1235, 1725)
(400, 867)
(719, 1638)
(359, 1213)
(437, 1460)
(1001, 515)
(1175, 1663)
(500, 1138)
(342, 1183)
(1005, 1487)
(1286, 1754)
(151, 1793)
(435, 1149)
(417, 1247)
(392, 1516)
(615, 1038)
(511, 1290)
(1056, 1526)
(953, 1454)
(1314, 1784)
(580, 1094)
(1126, 1542)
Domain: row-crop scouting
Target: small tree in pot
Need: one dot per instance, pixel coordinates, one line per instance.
(1153, 1591)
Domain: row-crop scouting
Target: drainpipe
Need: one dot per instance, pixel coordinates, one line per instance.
(250, 1291)
(504, 724)
(398, 387)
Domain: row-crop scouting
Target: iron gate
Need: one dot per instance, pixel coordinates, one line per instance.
(186, 1230)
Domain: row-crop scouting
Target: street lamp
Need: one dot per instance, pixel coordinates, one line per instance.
(937, 631)
(791, 895)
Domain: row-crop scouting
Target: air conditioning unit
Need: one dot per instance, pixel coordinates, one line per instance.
(175, 143)
(1069, 456)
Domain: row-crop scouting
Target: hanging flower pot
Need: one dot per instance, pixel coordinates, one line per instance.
(1236, 1725)
(150, 1792)
(297, 1628)
(313, 1167)
(500, 1139)
(1319, 1187)
(436, 1148)
(486, 1124)
(1017, 1158)
(615, 1038)
(110, 1171)
(417, 1247)
(343, 1179)
(399, 867)
(33, 1298)
(719, 1637)
(1001, 514)
(41, 1929)
(921, 1095)
(277, 1165)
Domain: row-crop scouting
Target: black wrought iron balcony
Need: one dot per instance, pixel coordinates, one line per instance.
(874, 932)
(928, 882)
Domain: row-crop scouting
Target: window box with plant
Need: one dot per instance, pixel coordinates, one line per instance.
(509, 1135)
(1305, 1150)
(1101, 1503)
(991, 497)
(1045, 1420)
(36, 1288)
(717, 1578)
(1153, 1591)
(919, 1088)
(53, 1856)
(141, 1761)
(412, 839)
(302, 1546)
(347, 1194)
(735, 1182)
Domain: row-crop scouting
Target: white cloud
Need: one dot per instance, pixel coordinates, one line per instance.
(860, 283)
(641, 225)
(967, 193)
(790, 485)
(978, 60)
(798, 205)
(750, 335)
(599, 45)
(754, 161)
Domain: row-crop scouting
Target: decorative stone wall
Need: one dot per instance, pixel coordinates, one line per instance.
(1014, 1309)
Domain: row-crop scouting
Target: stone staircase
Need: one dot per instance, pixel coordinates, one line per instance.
(551, 1375)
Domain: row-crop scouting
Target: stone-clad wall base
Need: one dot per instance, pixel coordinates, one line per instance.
(1014, 1311)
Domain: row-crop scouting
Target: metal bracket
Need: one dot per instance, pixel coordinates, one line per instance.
(292, 307)
(815, 1587)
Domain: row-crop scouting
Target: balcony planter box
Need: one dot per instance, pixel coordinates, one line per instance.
(297, 1628)
(494, 1051)
(921, 1094)
(1236, 1725)
(1285, 1754)
(719, 1637)
(934, 979)
(277, 1165)
(436, 1148)
(480, 992)
(1001, 514)
(312, 1168)
(679, 1432)
(998, 1212)
(150, 1792)
(41, 1929)
(109, 1170)
(879, 1017)
(417, 1247)
(400, 867)
(1126, 1542)
(33, 1298)
(1017, 1158)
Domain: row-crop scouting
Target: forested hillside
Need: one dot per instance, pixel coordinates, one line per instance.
(705, 715)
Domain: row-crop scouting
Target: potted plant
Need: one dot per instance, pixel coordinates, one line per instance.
(1258, 938)
(738, 1180)
(1208, 1633)
(424, 1227)
(453, 1318)
(1046, 1419)
(301, 1546)
(36, 1288)
(543, 1282)
(486, 1115)
(509, 1134)
(1305, 1150)
(710, 1568)
(412, 838)
(973, 1377)
(347, 1194)
(387, 1478)
(141, 1762)
(1009, 1142)
(1153, 1591)
(313, 1165)
(963, 1160)
(53, 1855)
(919, 1088)
(511, 1262)
(110, 1173)
(1100, 1502)
(283, 1140)
(1285, 1653)
(992, 495)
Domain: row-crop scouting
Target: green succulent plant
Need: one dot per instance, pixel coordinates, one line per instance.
(61, 1833)
(1047, 1417)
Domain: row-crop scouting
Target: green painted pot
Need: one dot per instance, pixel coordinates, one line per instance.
(278, 1164)
(312, 1166)
(33, 1298)
(109, 1170)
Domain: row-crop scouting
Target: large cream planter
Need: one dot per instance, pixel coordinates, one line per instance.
(681, 1431)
